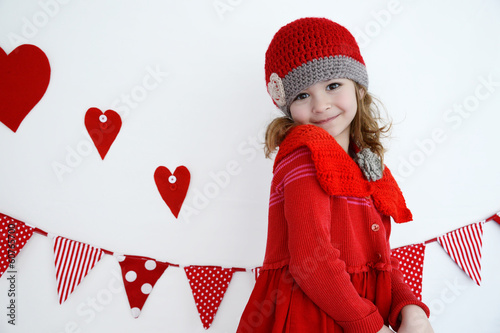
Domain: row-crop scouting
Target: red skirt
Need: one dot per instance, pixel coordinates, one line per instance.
(278, 305)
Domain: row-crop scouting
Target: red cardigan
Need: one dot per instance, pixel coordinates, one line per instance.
(327, 222)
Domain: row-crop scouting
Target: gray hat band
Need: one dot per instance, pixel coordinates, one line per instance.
(320, 70)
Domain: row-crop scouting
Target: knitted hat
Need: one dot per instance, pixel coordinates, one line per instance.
(307, 51)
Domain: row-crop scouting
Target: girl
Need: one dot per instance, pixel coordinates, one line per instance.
(327, 266)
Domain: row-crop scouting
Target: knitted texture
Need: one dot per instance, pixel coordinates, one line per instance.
(307, 51)
(327, 266)
(339, 174)
(370, 164)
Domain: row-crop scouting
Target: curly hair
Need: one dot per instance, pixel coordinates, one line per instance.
(367, 128)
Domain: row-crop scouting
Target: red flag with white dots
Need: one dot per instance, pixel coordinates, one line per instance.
(411, 259)
(14, 234)
(139, 277)
(208, 283)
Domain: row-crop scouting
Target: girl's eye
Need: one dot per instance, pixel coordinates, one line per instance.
(332, 86)
(301, 96)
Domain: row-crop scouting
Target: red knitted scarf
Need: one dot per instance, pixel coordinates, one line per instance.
(338, 173)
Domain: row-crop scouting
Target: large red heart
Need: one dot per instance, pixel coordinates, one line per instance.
(103, 128)
(173, 187)
(24, 78)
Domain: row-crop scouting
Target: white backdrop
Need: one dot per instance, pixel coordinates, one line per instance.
(433, 64)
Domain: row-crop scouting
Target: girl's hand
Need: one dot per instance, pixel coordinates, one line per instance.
(385, 329)
(414, 320)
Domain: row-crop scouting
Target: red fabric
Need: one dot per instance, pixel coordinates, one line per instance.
(411, 259)
(173, 187)
(139, 277)
(208, 284)
(103, 127)
(24, 78)
(14, 234)
(338, 174)
(325, 230)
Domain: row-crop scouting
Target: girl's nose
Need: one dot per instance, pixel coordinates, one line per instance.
(320, 103)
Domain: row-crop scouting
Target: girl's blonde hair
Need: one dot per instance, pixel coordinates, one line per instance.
(366, 130)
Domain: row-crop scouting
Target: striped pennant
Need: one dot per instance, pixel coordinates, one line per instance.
(464, 247)
(73, 261)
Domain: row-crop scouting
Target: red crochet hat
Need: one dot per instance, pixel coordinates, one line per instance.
(307, 51)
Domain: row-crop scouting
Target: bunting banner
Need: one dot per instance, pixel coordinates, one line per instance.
(73, 261)
(411, 259)
(139, 277)
(464, 246)
(15, 234)
(208, 283)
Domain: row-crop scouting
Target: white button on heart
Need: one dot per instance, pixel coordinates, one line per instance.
(103, 118)
(172, 179)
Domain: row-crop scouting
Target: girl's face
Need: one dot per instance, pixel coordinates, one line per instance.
(329, 104)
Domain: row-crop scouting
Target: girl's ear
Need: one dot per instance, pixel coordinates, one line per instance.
(362, 92)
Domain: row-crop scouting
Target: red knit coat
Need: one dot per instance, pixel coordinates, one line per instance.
(327, 266)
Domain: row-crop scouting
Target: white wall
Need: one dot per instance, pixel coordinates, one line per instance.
(423, 58)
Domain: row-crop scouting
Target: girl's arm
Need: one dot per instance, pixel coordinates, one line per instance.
(414, 320)
(315, 263)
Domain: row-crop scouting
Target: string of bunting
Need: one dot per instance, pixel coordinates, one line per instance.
(73, 260)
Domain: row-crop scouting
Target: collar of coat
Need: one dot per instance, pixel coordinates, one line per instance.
(338, 173)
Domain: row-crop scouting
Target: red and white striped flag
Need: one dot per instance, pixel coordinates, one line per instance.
(73, 261)
(464, 247)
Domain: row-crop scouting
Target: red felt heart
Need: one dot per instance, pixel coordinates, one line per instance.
(173, 188)
(103, 128)
(24, 78)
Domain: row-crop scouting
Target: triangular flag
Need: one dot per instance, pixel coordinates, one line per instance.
(139, 277)
(411, 258)
(464, 247)
(73, 261)
(14, 234)
(208, 283)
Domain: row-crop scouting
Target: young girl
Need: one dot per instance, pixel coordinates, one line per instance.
(327, 266)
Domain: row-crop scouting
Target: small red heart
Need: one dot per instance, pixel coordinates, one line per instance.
(24, 78)
(103, 128)
(173, 187)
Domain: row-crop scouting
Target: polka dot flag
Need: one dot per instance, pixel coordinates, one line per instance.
(14, 235)
(208, 284)
(139, 277)
(411, 259)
